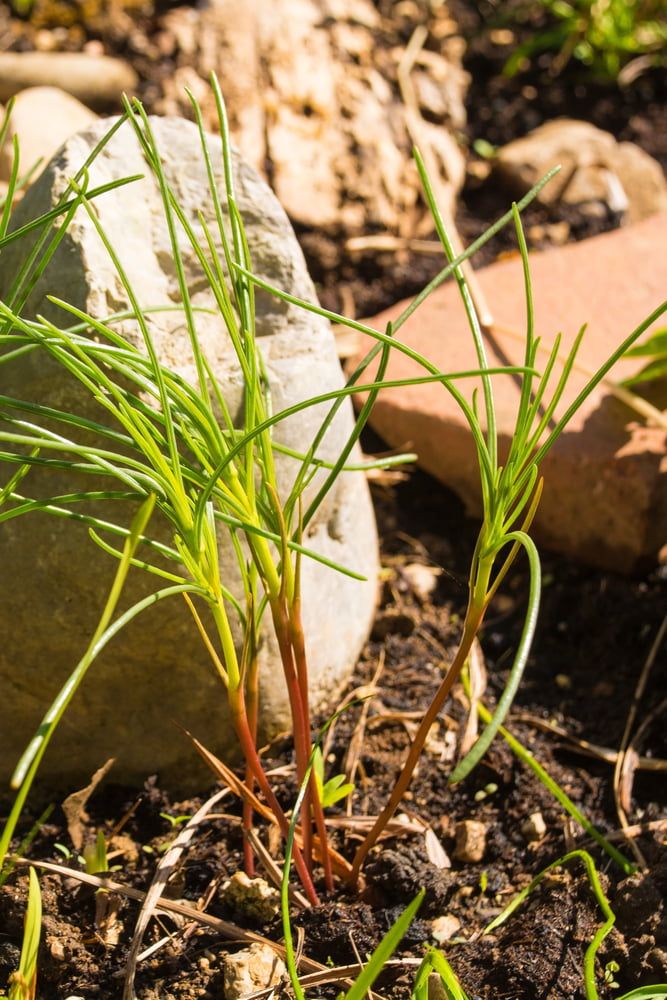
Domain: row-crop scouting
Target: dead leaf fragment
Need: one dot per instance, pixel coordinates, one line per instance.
(437, 855)
(74, 805)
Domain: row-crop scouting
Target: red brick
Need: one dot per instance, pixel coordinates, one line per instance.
(605, 496)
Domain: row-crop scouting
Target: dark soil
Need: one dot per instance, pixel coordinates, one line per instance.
(594, 635)
(501, 109)
(595, 632)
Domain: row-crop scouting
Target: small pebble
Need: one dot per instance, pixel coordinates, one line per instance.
(559, 233)
(423, 579)
(501, 36)
(444, 928)
(57, 949)
(92, 79)
(470, 840)
(44, 41)
(534, 828)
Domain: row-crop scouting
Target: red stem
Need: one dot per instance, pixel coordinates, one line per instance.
(240, 721)
(299, 719)
(252, 710)
(299, 647)
(470, 630)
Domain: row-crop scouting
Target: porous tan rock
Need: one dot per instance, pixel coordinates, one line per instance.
(444, 928)
(93, 79)
(251, 897)
(42, 119)
(315, 100)
(54, 582)
(596, 170)
(605, 494)
(252, 969)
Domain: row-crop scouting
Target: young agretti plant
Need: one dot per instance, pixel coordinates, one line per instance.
(23, 982)
(510, 489)
(175, 445)
(184, 421)
(435, 964)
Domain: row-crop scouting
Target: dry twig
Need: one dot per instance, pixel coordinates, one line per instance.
(163, 872)
(623, 768)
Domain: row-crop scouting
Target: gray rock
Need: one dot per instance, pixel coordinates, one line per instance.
(54, 580)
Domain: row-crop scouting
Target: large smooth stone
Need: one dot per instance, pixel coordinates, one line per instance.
(42, 119)
(596, 170)
(98, 81)
(54, 580)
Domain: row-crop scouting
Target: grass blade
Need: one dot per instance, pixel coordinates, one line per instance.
(24, 985)
(384, 950)
(526, 757)
(473, 757)
(601, 899)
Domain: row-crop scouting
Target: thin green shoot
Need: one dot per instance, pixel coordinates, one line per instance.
(23, 982)
(26, 843)
(47, 242)
(386, 948)
(646, 993)
(436, 962)
(602, 901)
(95, 855)
(590, 988)
(654, 348)
(526, 757)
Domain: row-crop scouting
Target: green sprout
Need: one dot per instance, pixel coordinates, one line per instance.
(175, 821)
(23, 982)
(95, 855)
(610, 970)
(607, 37)
(335, 788)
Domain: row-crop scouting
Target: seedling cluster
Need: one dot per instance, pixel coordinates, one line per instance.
(173, 447)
